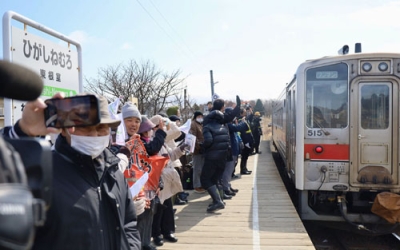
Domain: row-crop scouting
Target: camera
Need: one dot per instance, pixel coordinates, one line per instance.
(25, 166)
(76, 111)
(25, 189)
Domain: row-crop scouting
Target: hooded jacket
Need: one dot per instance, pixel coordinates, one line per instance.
(216, 136)
(90, 209)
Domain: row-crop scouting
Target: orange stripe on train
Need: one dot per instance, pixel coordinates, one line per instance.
(330, 152)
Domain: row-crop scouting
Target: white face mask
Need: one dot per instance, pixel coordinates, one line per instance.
(90, 145)
(199, 120)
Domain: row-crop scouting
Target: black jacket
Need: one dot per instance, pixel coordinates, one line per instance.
(256, 126)
(247, 135)
(88, 212)
(216, 136)
(154, 146)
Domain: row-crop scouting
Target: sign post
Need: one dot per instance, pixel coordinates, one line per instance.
(60, 67)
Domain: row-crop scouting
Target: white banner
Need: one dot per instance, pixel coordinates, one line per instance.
(113, 108)
(121, 133)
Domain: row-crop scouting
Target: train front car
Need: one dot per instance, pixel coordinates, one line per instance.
(343, 112)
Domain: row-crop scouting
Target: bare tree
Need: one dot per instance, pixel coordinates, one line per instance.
(186, 106)
(268, 107)
(152, 87)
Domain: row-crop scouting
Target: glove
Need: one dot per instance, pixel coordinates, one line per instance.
(123, 163)
(139, 204)
(125, 151)
(238, 101)
(183, 147)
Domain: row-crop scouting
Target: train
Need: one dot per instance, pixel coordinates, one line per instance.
(336, 127)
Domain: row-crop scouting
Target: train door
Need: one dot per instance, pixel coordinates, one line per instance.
(291, 132)
(372, 160)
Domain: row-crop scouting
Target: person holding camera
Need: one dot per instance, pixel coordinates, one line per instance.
(91, 206)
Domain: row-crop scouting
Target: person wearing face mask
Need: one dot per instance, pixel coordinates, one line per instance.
(142, 144)
(196, 129)
(163, 222)
(91, 206)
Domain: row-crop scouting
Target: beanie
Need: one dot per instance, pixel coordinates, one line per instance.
(145, 125)
(130, 110)
(174, 118)
(196, 114)
(257, 113)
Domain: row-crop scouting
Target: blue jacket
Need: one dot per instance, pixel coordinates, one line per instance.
(233, 132)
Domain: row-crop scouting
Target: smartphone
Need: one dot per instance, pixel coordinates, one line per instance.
(76, 111)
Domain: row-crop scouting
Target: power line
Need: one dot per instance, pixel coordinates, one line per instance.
(172, 28)
(164, 30)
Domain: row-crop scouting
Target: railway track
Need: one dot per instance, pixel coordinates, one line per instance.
(326, 238)
(339, 236)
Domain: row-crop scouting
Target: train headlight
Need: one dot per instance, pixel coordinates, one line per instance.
(367, 67)
(383, 66)
(318, 149)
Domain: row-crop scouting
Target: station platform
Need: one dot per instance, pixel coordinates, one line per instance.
(260, 216)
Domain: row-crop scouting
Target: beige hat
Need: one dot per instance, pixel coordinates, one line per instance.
(105, 117)
(156, 119)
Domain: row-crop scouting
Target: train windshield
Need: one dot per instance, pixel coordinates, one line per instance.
(327, 96)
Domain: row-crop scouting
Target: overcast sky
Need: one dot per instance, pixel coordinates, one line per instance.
(252, 46)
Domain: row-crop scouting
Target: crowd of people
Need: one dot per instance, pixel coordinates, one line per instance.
(93, 203)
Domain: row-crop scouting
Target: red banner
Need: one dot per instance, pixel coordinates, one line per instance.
(140, 162)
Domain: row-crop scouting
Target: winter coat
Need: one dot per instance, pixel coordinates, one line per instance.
(247, 136)
(216, 136)
(196, 129)
(88, 212)
(233, 129)
(172, 134)
(170, 177)
(256, 126)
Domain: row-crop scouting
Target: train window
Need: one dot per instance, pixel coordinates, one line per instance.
(327, 96)
(374, 107)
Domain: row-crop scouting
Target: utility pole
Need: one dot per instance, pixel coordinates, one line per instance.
(212, 85)
(184, 99)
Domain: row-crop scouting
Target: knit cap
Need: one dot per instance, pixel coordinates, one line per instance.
(145, 125)
(196, 114)
(130, 110)
(174, 118)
